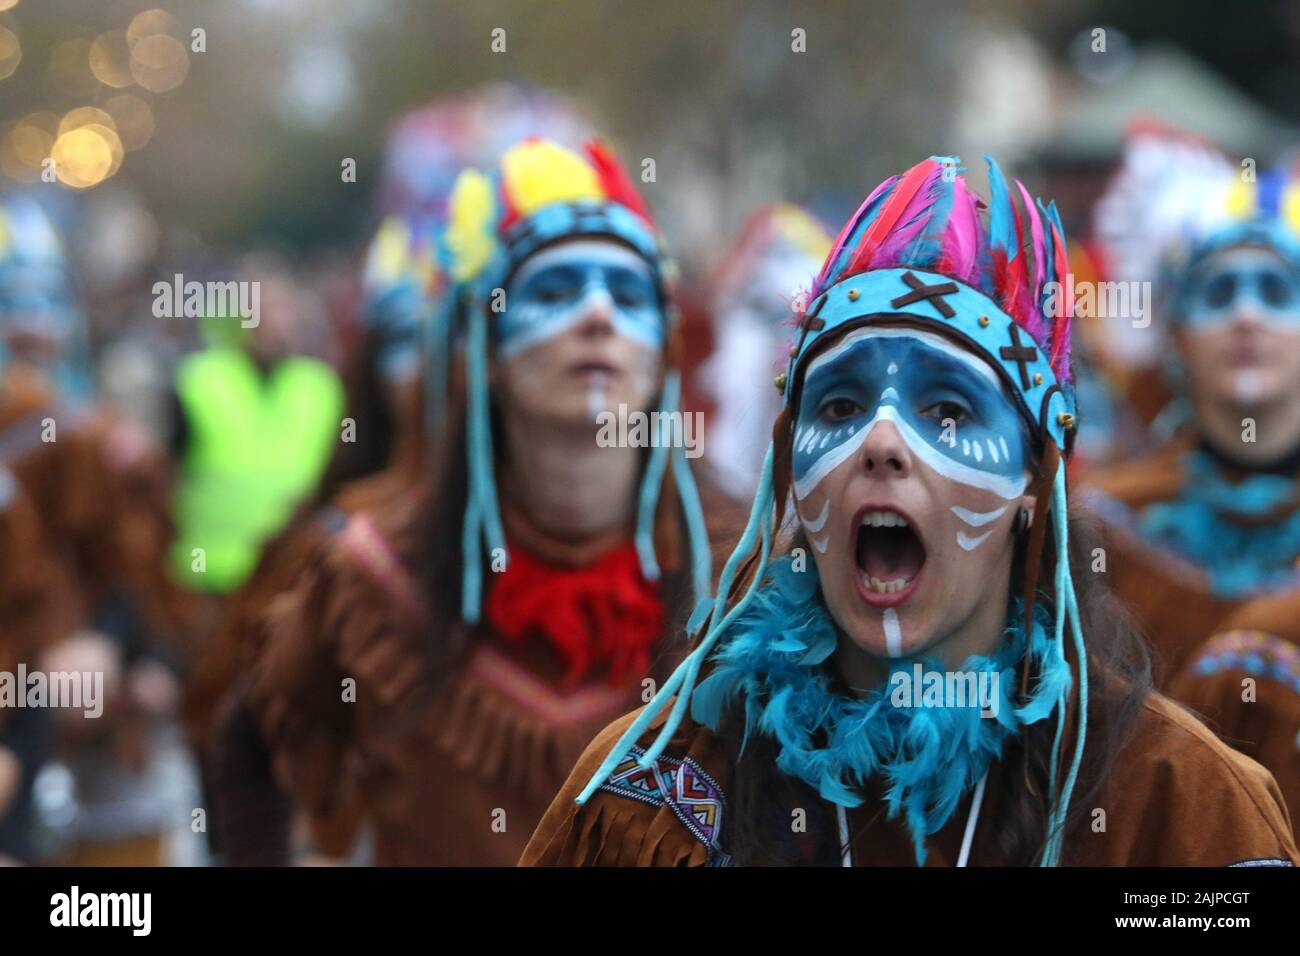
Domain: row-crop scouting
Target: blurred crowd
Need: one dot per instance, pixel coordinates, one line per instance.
(244, 487)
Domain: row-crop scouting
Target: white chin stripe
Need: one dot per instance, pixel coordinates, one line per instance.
(1005, 488)
(893, 633)
(945, 345)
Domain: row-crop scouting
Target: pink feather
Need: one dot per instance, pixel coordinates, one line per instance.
(899, 207)
(959, 253)
(1032, 320)
(837, 247)
(906, 243)
(1060, 359)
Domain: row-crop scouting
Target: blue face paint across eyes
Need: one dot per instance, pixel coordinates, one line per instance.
(1217, 294)
(558, 288)
(947, 404)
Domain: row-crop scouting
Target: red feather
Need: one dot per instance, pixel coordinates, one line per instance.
(615, 181)
(509, 212)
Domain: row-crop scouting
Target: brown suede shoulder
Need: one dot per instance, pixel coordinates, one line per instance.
(1178, 796)
(1170, 598)
(1245, 681)
(668, 814)
(1144, 481)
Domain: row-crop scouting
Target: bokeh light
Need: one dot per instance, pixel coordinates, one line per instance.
(133, 119)
(86, 156)
(26, 143)
(110, 59)
(159, 62)
(69, 68)
(150, 23)
(11, 52)
(84, 116)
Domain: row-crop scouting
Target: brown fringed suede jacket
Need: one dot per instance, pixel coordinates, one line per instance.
(1176, 797)
(1245, 681)
(452, 761)
(102, 501)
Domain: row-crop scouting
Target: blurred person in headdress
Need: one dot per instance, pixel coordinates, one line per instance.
(399, 376)
(928, 416)
(448, 654)
(776, 255)
(1217, 508)
(97, 488)
(1209, 518)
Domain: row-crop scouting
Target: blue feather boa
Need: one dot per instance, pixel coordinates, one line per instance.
(1238, 559)
(772, 657)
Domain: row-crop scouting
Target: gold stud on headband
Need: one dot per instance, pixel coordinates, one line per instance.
(1038, 378)
(1065, 419)
(984, 321)
(853, 295)
(779, 382)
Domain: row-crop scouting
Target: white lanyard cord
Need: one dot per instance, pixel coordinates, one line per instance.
(846, 848)
(977, 801)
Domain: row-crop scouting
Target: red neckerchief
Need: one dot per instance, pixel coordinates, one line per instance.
(605, 613)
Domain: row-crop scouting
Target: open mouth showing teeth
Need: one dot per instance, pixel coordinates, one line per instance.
(888, 552)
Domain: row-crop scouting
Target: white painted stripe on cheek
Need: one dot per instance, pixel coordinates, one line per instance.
(542, 331)
(977, 519)
(970, 544)
(821, 544)
(820, 521)
(893, 634)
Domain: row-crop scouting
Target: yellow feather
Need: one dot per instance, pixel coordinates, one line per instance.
(541, 172)
(1240, 200)
(1291, 206)
(802, 230)
(389, 256)
(469, 229)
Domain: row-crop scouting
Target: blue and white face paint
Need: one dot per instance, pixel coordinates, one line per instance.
(908, 461)
(1241, 280)
(947, 404)
(555, 289)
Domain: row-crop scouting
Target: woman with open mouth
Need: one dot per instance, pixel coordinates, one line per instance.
(928, 672)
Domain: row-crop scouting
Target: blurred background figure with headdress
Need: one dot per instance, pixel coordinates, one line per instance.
(86, 506)
(1210, 516)
(493, 617)
(761, 277)
(399, 378)
(1205, 528)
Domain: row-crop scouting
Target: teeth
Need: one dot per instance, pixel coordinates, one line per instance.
(884, 519)
(885, 587)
